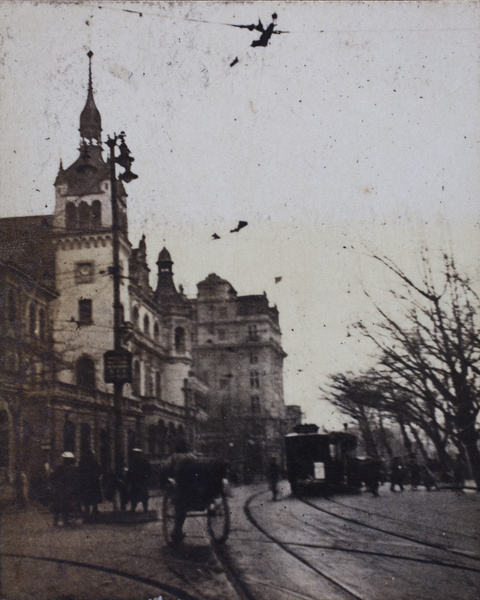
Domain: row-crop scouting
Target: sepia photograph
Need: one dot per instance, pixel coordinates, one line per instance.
(239, 300)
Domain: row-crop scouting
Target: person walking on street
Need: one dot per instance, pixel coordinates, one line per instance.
(273, 477)
(89, 472)
(396, 474)
(138, 477)
(371, 475)
(414, 469)
(64, 489)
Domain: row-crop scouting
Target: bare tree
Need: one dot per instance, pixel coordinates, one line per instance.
(429, 357)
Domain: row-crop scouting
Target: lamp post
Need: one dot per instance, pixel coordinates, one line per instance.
(118, 362)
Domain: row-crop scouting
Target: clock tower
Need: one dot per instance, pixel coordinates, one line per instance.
(84, 259)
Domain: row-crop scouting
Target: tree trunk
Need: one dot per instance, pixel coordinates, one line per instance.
(419, 443)
(367, 434)
(406, 440)
(385, 442)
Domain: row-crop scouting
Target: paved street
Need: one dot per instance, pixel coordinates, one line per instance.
(399, 546)
(126, 561)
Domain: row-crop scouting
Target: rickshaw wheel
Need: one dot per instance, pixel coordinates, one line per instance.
(218, 519)
(168, 516)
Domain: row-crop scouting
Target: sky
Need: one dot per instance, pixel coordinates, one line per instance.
(356, 132)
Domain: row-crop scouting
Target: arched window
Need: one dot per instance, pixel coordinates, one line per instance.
(69, 437)
(32, 319)
(135, 316)
(96, 214)
(158, 385)
(136, 378)
(4, 439)
(156, 332)
(170, 437)
(152, 440)
(148, 381)
(41, 324)
(71, 216)
(85, 442)
(180, 432)
(180, 339)
(85, 371)
(161, 438)
(146, 325)
(84, 216)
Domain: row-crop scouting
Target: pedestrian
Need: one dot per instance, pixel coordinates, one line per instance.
(396, 474)
(371, 476)
(89, 472)
(64, 489)
(122, 487)
(273, 477)
(138, 477)
(414, 470)
(179, 469)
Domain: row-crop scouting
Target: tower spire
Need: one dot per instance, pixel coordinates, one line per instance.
(90, 120)
(90, 54)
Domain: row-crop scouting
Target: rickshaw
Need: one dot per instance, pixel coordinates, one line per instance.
(198, 487)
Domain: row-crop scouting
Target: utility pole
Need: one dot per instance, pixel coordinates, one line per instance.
(118, 362)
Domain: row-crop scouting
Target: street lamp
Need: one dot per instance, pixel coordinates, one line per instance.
(118, 362)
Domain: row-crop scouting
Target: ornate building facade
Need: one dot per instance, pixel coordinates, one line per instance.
(239, 354)
(206, 369)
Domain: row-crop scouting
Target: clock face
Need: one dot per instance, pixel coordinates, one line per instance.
(85, 269)
(84, 272)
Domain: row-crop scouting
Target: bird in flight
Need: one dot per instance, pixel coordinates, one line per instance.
(215, 236)
(266, 34)
(241, 225)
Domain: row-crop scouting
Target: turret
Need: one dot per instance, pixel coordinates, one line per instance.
(166, 289)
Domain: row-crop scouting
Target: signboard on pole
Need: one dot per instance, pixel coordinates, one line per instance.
(117, 366)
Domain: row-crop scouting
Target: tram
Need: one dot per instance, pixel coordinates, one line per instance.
(321, 462)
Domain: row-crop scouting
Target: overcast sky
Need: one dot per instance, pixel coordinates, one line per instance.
(356, 131)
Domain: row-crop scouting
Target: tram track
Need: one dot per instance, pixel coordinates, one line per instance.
(294, 549)
(174, 591)
(403, 536)
(350, 593)
(396, 520)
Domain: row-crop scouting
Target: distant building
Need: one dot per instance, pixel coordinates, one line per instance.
(238, 353)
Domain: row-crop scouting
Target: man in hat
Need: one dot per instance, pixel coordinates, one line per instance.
(64, 489)
(138, 477)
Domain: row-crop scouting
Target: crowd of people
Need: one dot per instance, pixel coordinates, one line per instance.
(78, 490)
(407, 470)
